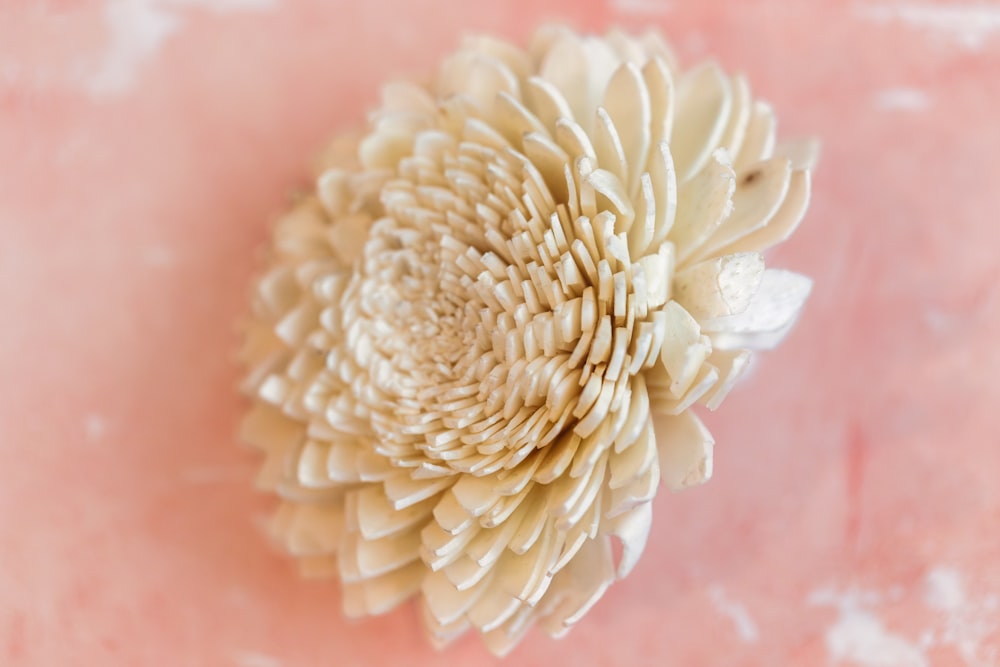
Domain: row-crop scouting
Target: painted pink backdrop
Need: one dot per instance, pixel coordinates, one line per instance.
(145, 146)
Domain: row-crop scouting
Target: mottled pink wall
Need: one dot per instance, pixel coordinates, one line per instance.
(146, 145)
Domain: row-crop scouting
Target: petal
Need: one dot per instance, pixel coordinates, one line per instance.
(633, 462)
(719, 287)
(769, 317)
(565, 67)
(632, 529)
(683, 349)
(663, 180)
(513, 57)
(382, 594)
(703, 204)
(376, 518)
(758, 142)
(685, 448)
(310, 529)
(628, 104)
(739, 115)
(803, 153)
(704, 101)
(446, 603)
(760, 192)
(580, 585)
(781, 225)
(476, 75)
(548, 104)
(660, 87)
(732, 365)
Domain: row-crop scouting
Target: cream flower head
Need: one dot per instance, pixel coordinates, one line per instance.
(476, 348)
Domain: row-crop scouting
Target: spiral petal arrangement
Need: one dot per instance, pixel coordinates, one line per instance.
(476, 348)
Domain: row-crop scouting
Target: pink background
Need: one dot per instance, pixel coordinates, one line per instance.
(147, 144)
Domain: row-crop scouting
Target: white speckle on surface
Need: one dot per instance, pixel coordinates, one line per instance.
(158, 257)
(944, 590)
(970, 25)
(94, 427)
(254, 659)
(901, 99)
(967, 623)
(736, 612)
(138, 28)
(859, 637)
(954, 619)
(940, 321)
(644, 7)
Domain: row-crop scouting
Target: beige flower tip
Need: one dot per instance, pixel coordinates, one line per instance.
(476, 350)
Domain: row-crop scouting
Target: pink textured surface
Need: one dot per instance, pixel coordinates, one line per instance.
(856, 471)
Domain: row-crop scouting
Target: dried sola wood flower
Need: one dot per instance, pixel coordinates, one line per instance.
(476, 349)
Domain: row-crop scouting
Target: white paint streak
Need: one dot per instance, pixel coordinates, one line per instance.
(254, 659)
(138, 29)
(966, 623)
(158, 257)
(736, 612)
(858, 636)
(94, 427)
(955, 621)
(643, 7)
(940, 321)
(971, 25)
(901, 99)
(943, 589)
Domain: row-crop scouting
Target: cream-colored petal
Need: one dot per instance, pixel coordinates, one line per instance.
(780, 225)
(770, 316)
(685, 448)
(310, 529)
(565, 67)
(703, 204)
(683, 349)
(582, 584)
(802, 153)
(547, 102)
(632, 530)
(476, 75)
(513, 57)
(760, 192)
(758, 143)
(719, 287)
(382, 594)
(446, 603)
(377, 518)
(704, 103)
(739, 116)
(629, 107)
(732, 365)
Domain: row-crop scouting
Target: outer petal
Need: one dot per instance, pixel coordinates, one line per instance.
(769, 317)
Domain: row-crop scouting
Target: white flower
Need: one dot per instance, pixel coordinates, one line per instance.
(466, 334)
